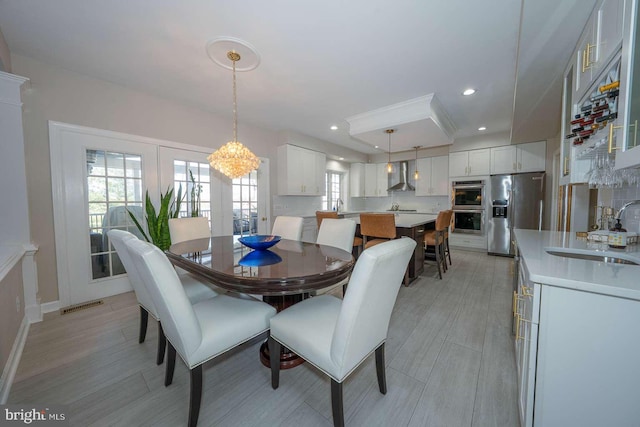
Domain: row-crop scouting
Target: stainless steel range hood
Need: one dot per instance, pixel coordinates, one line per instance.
(403, 184)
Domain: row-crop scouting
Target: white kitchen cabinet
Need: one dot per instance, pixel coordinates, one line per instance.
(376, 180)
(434, 176)
(585, 58)
(628, 154)
(301, 172)
(576, 355)
(470, 163)
(608, 19)
(356, 180)
(529, 157)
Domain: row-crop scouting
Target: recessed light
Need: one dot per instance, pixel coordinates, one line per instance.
(377, 146)
(482, 128)
(341, 158)
(468, 92)
(334, 127)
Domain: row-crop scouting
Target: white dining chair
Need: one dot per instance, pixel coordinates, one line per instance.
(188, 228)
(338, 233)
(337, 335)
(199, 332)
(288, 227)
(195, 290)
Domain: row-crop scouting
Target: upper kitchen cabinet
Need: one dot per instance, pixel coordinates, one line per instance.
(434, 176)
(301, 172)
(628, 154)
(356, 180)
(470, 163)
(600, 40)
(376, 180)
(529, 157)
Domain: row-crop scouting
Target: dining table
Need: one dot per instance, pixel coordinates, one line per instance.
(282, 275)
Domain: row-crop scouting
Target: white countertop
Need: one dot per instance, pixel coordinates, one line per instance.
(620, 280)
(408, 220)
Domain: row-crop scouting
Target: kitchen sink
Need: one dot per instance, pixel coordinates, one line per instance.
(593, 256)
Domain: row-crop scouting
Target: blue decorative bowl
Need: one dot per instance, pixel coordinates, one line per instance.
(259, 259)
(259, 242)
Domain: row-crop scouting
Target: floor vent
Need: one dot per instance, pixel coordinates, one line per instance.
(82, 306)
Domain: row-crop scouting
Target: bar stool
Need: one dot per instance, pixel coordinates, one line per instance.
(377, 228)
(447, 251)
(357, 241)
(435, 239)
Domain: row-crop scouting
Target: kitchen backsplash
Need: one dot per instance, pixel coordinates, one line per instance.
(405, 200)
(631, 217)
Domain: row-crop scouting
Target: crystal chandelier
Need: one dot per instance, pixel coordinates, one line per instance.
(234, 159)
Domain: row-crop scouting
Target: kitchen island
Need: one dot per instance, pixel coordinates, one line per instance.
(412, 225)
(576, 331)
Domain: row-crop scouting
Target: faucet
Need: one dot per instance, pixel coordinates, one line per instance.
(625, 206)
(339, 204)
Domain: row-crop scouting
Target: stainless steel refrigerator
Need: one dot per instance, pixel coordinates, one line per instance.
(517, 201)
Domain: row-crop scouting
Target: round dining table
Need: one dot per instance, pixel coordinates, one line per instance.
(283, 275)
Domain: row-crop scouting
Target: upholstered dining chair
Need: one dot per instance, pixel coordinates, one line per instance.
(188, 228)
(195, 290)
(321, 215)
(434, 241)
(337, 233)
(199, 332)
(345, 332)
(377, 228)
(288, 227)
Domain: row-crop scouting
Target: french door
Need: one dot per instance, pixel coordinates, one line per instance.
(100, 178)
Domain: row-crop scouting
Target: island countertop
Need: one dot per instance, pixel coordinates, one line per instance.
(620, 280)
(406, 220)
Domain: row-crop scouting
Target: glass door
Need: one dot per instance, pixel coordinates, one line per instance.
(99, 178)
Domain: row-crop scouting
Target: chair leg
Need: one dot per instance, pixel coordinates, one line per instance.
(274, 360)
(171, 364)
(336, 404)
(196, 395)
(448, 250)
(443, 257)
(144, 319)
(162, 344)
(380, 369)
(438, 260)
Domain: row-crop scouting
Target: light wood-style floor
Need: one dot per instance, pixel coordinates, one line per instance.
(449, 360)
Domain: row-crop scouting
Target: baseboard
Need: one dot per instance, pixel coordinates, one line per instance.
(48, 307)
(10, 369)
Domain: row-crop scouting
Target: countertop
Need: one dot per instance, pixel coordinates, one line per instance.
(403, 219)
(618, 280)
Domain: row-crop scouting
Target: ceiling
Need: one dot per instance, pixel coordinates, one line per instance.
(320, 62)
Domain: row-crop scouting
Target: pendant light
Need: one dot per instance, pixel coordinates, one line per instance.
(389, 166)
(416, 175)
(234, 159)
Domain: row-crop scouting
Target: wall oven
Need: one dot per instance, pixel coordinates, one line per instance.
(468, 195)
(470, 221)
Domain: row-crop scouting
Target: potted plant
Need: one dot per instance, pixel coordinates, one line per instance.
(158, 222)
(196, 189)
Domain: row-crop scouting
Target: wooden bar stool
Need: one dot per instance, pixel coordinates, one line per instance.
(377, 228)
(357, 241)
(435, 240)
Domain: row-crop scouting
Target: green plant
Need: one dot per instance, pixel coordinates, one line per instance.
(158, 223)
(195, 196)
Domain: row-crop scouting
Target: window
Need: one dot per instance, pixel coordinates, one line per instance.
(333, 193)
(114, 183)
(245, 204)
(193, 177)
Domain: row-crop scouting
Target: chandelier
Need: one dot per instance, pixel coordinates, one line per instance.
(234, 159)
(389, 165)
(416, 174)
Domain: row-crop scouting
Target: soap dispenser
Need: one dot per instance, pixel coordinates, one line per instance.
(617, 236)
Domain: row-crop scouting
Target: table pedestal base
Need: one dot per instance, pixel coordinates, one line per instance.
(288, 359)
